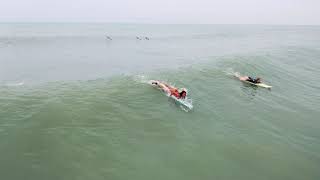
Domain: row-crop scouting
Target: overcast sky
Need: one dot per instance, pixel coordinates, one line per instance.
(163, 11)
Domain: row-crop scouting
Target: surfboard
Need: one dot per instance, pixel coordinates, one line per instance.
(255, 84)
(258, 84)
(186, 103)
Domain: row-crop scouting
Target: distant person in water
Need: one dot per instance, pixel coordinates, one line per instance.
(138, 38)
(171, 90)
(250, 79)
(147, 38)
(108, 37)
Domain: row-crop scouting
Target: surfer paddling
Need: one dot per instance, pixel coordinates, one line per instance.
(254, 81)
(250, 79)
(171, 90)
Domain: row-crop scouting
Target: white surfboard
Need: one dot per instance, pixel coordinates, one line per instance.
(258, 84)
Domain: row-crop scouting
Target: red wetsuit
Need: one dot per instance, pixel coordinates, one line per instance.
(175, 92)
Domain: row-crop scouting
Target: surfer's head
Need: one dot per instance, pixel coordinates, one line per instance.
(183, 94)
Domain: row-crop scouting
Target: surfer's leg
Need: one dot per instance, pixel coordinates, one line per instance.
(164, 87)
(243, 78)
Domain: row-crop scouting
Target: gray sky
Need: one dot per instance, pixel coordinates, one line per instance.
(163, 11)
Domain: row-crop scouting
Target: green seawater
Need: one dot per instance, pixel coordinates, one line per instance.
(75, 105)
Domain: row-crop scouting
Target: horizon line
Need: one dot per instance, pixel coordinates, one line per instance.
(148, 23)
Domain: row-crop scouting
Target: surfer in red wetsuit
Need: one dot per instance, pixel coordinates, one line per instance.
(171, 90)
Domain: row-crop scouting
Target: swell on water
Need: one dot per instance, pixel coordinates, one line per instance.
(86, 124)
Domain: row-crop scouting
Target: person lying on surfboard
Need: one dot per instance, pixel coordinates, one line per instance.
(250, 79)
(171, 90)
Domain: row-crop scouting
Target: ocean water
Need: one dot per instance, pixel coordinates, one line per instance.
(76, 105)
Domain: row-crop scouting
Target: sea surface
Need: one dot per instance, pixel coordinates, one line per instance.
(75, 102)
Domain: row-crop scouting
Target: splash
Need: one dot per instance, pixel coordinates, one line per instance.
(15, 84)
(231, 72)
(186, 104)
(141, 79)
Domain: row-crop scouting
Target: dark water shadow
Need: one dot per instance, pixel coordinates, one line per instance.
(249, 89)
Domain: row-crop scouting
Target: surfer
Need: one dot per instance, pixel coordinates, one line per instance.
(250, 79)
(254, 81)
(171, 90)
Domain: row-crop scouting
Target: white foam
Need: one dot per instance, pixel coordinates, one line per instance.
(15, 84)
(141, 79)
(231, 72)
